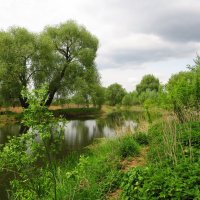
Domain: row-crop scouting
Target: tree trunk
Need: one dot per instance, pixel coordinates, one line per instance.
(23, 102)
(50, 97)
(54, 86)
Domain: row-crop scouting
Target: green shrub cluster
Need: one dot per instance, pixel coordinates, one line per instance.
(128, 147)
(180, 182)
(173, 171)
(141, 138)
(98, 172)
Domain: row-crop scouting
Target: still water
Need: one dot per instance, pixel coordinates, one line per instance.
(81, 133)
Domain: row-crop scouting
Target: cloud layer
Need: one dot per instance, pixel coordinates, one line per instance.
(137, 37)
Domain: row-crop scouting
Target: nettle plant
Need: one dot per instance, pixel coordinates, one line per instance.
(42, 125)
(30, 158)
(45, 128)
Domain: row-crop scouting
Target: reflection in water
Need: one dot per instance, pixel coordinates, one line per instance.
(81, 133)
(8, 130)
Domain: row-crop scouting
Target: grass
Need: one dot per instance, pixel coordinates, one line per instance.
(97, 173)
(173, 170)
(110, 165)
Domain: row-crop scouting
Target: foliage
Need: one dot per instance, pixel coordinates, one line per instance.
(141, 138)
(173, 170)
(76, 112)
(21, 155)
(148, 98)
(181, 88)
(89, 94)
(182, 91)
(58, 56)
(98, 95)
(172, 142)
(115, 94)
(130, 99)
(129, 147)
(148, 82)
(95, 174)
(181, 182)
(190, 134)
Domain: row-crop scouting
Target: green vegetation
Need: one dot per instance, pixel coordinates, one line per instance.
(77, 112)
(115, 94)
(97, 173)
(35, 172)
(59, 64)
(148, 83)
(173, 169)
(21, 156)
(130, 99)
(61, 56)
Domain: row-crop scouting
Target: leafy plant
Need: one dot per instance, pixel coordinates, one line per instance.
(181, 182)
(22, 155)
(128, 147)
(141, 138)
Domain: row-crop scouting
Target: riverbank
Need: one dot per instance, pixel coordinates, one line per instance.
(158, 161)
(165, 167)
(68, 111)
(14, 115)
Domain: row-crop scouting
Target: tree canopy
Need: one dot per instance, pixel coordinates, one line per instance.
(148, 82)
(184, 89)
(130, 99)
(115, 94)
(58, 57)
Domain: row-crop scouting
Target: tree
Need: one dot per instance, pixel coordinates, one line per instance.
(183, 90)
(17, 60)
(115, 94)
(150, 96)
(56, 57)
(98, 95)
(148, 82)
(130, 99)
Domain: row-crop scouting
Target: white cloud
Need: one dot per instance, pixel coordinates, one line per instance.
(136, 37)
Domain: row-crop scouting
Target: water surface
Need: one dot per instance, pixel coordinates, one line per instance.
(81, 133)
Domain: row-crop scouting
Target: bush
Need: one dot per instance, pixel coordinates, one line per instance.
(141, 138)
(128, 147)
(181, 182)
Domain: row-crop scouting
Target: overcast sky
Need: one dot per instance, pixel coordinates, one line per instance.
(137, 37)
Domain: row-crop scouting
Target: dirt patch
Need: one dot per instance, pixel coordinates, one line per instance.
(12, 109)
(114, 195)
(143, 126)
(135, 161)
(126, 165)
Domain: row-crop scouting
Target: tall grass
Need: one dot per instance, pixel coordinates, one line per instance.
(173, 140)
(173, 162)
(97, 172)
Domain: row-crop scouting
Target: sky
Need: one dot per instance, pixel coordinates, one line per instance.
(136, 37)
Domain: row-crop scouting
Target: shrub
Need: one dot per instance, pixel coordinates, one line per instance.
(128, 147)
(141, 138)
(181, 182)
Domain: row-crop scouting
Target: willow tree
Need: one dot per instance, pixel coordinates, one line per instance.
(57, 57)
